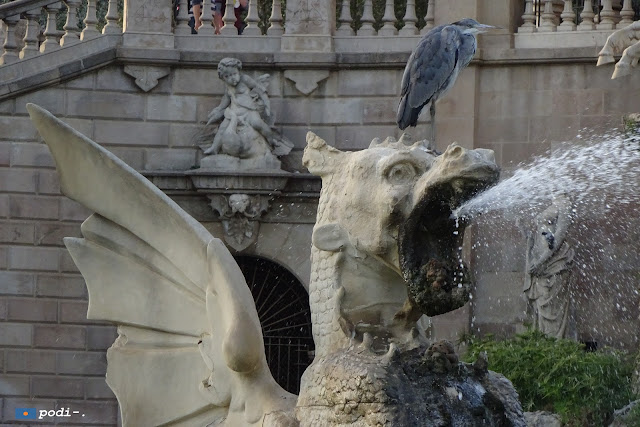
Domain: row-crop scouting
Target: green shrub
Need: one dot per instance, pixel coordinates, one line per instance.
(584, 388)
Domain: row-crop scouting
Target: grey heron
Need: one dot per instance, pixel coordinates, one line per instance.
(433, 67)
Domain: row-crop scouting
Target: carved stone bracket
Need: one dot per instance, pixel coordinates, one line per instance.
(240, 214)
(306, 81)
(146, 76)
(240, 200)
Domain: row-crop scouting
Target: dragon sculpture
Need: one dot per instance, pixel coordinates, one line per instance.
(625, 41)
(386, 250)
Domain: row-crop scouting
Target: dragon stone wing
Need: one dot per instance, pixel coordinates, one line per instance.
(190, 349)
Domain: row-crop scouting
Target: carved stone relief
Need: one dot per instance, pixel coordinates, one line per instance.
(306, 81)
(146, 76)
(240, 214)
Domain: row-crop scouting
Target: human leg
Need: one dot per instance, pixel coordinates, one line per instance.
(197, 11)
(219, 7)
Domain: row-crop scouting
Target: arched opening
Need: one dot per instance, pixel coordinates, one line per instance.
(283, 308)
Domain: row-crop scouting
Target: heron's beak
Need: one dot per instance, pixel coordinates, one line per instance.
(484, 28)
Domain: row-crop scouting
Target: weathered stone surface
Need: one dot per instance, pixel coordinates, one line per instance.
(408, 388)
(542, 419)
(105, 105)
(132, 133)
(171, 108)
(59, 336)
(16, 334)
(30, 361)
(16, 283)
(33, 310)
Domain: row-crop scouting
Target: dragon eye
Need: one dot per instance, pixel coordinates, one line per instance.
(401, 173)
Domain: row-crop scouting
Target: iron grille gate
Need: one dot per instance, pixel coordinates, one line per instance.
(283, 308)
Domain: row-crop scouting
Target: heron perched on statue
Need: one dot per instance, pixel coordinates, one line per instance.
(433, 67)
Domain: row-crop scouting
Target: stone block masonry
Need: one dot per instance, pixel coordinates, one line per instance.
(51, 357)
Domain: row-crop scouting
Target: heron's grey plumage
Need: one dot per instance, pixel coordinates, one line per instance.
(433, 67)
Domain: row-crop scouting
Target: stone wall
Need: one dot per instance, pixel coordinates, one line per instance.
(51, 356)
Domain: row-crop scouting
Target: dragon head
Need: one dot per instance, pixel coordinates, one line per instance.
(388, 209)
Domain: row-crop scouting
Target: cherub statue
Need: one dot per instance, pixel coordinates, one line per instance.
(245, 131)
(548, 265)
(625, 41)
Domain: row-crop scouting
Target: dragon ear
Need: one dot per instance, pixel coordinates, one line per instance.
(319, 157)
(330, 237)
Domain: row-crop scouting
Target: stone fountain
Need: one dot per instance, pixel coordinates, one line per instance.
(386, 250)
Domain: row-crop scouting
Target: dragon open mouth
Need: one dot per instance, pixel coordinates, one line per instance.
(430, 242)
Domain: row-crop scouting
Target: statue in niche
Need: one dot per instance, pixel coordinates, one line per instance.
(625, 41)
(548, 268)
(245, 133)
(190, 349)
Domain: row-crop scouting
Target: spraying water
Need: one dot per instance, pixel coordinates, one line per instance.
(601, 177)
(608, 169)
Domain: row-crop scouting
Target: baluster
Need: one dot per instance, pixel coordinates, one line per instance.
(206, 29)
(410, 20)
(549, 19)
(50, 32)
(31, 36)
(112, 26)
(182, 27)
(344, 21)
(568, 17)
(430, 17)
(587, 17)
(388, 20)
(10, 46)
(626, 14)
(70, 28)
(606, 16)
(529, 18)
(275, 29)
(367, 20)
(90, 21)
(229, 20)
(252, 28)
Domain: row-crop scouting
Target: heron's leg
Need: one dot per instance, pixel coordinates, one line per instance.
(432, 111)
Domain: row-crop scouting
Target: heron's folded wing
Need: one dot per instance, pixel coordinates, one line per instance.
(432, 66)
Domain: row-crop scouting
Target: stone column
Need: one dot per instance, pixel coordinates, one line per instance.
(147, 24)
(456, 10)
(503, 13)
(310, 26)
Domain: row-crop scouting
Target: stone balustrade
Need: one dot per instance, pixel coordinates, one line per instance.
(266, 17)
(39, 40)
(284, 32)
(168, 28)
(565, 15)
(351, 25)
(574, 24)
